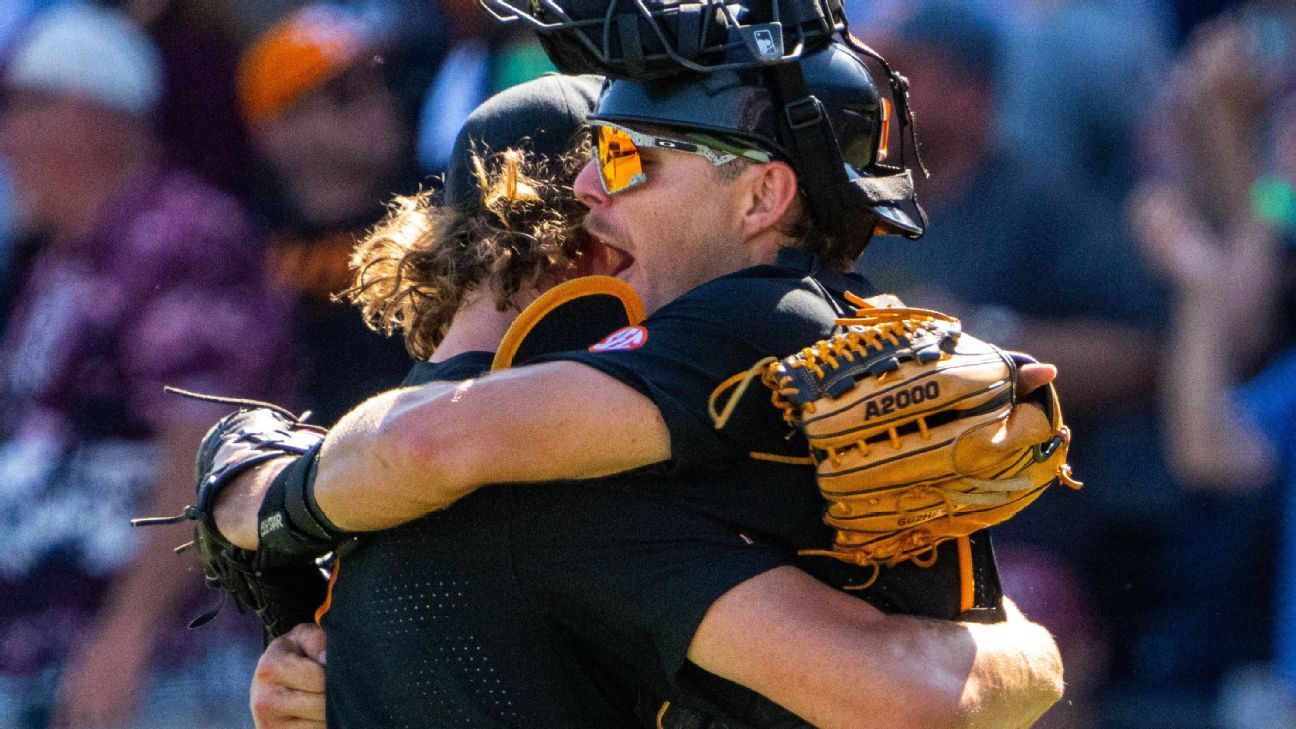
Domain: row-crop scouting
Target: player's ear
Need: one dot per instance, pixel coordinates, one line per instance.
(772, 188)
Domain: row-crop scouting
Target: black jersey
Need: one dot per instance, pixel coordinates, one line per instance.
(427, 628)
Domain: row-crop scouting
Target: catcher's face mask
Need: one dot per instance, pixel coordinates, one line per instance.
(621, 167)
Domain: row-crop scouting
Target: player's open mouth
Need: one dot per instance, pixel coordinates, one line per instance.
(608, 260)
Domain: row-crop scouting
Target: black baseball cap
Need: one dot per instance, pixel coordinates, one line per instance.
(541, 116)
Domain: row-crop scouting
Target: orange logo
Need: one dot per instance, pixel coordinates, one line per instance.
(622, 339)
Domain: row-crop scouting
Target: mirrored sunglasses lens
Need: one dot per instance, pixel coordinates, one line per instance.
(618, 158)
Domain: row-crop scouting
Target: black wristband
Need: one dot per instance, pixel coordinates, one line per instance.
(290, 526)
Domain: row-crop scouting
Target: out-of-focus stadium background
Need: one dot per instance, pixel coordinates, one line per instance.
(1111, 189)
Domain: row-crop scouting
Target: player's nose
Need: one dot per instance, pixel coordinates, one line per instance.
(588, 188)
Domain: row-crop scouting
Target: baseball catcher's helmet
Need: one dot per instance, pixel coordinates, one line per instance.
(782, 74)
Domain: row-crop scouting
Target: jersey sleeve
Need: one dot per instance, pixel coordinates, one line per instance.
(628, 572)
(679, 356)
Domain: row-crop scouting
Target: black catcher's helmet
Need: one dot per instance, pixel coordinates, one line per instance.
(785, 74)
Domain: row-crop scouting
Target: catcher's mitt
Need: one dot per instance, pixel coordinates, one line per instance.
(917, 432)
(282, 592)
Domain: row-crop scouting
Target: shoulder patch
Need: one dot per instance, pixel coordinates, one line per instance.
(622, 339)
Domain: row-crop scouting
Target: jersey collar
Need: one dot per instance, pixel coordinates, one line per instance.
(808, 264)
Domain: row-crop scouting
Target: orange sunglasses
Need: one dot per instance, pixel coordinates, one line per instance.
(619, 163)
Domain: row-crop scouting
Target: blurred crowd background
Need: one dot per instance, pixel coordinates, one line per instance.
(1111, 190)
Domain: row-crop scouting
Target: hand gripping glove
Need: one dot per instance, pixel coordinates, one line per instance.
(917, 432)
(283, 586)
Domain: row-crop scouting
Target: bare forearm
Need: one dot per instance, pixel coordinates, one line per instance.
(404, 454)
(360, 477)
(1015, 671)
(238, 504)
(356, 469)
(385, 463)
(836, 662)
(1017, 675)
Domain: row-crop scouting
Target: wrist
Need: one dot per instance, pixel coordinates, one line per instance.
(290, 523)
(236, 507)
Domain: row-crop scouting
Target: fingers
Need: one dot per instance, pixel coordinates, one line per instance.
(288, 685)
(295, 660)
(309, 640)
(275, 707)
(1033, 376)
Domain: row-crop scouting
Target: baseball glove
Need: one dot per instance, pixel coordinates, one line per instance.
(282, 593)
(917, 432)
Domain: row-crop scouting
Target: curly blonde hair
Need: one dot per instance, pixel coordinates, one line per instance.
(412, 271)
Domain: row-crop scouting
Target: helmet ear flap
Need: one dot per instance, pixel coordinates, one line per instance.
(846, 205)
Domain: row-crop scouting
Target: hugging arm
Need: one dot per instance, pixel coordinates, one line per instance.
(835, 661)
(408, 452)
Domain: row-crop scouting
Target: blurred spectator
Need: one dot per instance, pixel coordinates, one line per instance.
(1071, 76)
(145, 276)
(420, 36)
(14, 16)
(484, 57)
(1218, 221)
(335, 147)
(1009, 244)
(1219, 144)
(1072, 79)
(1227, 436)
(198, 114)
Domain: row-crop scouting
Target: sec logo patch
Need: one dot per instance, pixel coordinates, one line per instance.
(622, 339)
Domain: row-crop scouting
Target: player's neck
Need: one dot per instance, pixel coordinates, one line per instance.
(478, 326)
